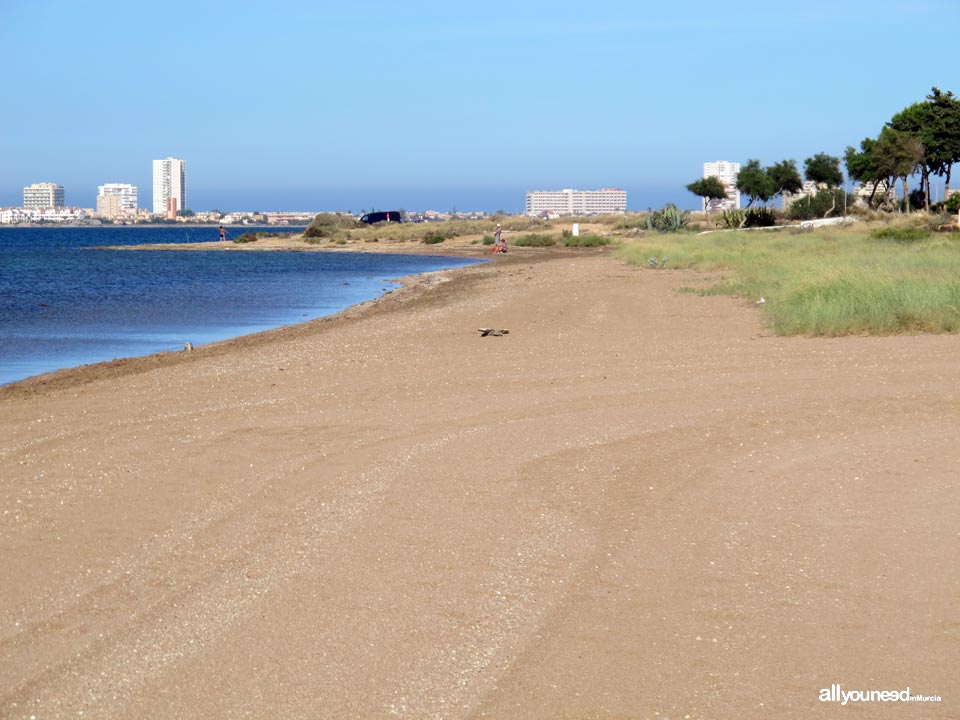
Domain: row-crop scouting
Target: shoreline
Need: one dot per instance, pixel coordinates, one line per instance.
(118, 365)
(411, 286)
(637, 503)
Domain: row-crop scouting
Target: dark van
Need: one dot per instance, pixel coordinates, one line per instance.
(379, 217)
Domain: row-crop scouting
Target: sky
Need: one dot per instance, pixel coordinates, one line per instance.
(421, 105)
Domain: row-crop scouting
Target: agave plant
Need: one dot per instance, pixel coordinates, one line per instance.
(731, 218)
(670, 219)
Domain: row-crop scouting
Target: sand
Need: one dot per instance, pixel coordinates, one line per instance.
(638, 504)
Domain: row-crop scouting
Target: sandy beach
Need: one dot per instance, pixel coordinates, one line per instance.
(637, 504)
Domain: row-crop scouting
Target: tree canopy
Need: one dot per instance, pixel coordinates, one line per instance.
(756, 183)
(762, 184)
(922, 138)
(785, 177)
(935, 125)
(823, 169)
(709, 188)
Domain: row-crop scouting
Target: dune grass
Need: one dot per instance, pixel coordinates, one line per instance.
(831, 283)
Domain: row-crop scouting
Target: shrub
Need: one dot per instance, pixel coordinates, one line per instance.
(488, 240)
(953, 204)
(246, 238)
(670, 219)
(901, 235)
(731, 218)
(811, 207)
(433, 238)
(535, 240)
(759, 217)
(940, 221)
(329, 225)
(586, 241)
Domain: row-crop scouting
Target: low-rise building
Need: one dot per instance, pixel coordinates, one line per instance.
(809, 189)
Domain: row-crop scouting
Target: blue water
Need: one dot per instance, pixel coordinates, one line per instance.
(64, 302)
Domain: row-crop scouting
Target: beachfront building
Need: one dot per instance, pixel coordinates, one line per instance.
(115, 199)
(553, 203)
(727, 173)
(883, 193)
(809, 189)
(58, 214)
(43, 195)
(169, 187)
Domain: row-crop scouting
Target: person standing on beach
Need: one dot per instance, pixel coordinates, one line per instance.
(223, 234)
(499, 246)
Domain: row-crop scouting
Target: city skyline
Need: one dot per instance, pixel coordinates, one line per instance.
(297, 107)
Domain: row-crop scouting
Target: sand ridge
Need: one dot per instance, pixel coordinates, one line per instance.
(636, 504)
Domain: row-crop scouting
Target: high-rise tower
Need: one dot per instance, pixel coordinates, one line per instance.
(727, 173)
(169, 186)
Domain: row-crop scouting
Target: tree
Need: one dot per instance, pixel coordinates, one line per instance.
(862, 166)
(916, 122)
(785, 177)
(935, 124)
(824, 170)
(944, 149)
(709, 188)
(897, 155)
(756, 183)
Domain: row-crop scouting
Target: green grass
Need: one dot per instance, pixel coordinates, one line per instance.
(534, 240)
(586, 241)
(246, 238)
(829, 282)
(901, 235)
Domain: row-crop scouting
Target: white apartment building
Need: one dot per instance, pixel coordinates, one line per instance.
(43, 195)
(607, 201)
(809, 189)
(883, 193)
(169, 186)
(727, 173)
(126, 199)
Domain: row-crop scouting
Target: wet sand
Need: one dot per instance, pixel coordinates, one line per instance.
(638, 504)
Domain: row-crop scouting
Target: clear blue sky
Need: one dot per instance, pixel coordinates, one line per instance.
(320, 105)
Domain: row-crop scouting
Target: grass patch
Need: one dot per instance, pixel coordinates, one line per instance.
(433, 238)
(535, 240)
(831, 283)
(901, 234)
(246, 238)
(586, 241)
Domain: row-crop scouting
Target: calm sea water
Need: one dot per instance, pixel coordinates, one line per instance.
(63, 302)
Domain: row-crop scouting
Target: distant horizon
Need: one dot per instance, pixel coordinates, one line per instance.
(488, 200)
(444, 200)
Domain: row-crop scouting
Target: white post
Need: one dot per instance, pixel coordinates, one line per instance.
(576, 229)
